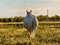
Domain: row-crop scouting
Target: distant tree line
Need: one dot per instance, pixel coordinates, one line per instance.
(40, 18)
(47, 18)
(15, 19)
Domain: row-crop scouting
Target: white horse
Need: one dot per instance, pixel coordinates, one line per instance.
(30, 22)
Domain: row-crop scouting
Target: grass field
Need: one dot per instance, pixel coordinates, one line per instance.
(44, 36)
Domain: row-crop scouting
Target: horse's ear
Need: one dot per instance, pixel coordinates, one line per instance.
(30, 10)
(26, 10)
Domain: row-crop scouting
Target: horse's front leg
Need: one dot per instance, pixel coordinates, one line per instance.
(31, 34)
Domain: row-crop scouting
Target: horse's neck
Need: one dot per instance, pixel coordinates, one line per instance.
(28, 15)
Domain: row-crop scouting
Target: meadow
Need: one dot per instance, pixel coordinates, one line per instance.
(19, 36)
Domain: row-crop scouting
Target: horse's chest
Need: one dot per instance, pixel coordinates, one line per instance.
(28, 20)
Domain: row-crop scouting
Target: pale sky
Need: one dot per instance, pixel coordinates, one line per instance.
(11, 8)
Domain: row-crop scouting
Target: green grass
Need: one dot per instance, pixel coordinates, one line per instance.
(44, 36)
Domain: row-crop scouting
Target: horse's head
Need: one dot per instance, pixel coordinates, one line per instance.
(29, 12)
